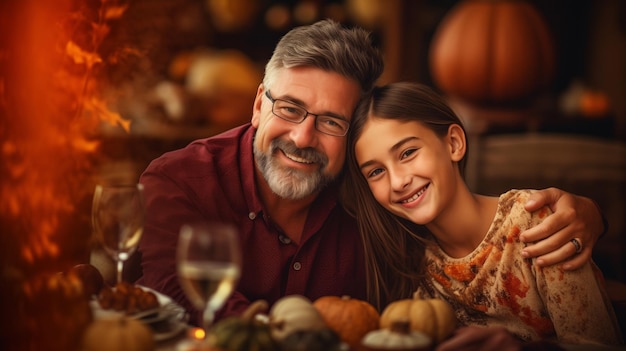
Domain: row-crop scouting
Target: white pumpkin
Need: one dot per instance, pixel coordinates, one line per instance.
(398, 337)
(293, 313)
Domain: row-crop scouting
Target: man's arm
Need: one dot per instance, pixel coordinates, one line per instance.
(574, 217)
(168, 207)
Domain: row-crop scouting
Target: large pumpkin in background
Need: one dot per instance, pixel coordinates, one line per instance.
(491, 51)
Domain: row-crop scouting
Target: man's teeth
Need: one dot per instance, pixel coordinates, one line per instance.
(414, 197)
(296, 158)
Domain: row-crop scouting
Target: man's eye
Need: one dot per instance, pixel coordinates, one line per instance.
(330, 122)
(289, 110)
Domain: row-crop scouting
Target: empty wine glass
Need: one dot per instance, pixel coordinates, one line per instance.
(209, 265)
(117, 217)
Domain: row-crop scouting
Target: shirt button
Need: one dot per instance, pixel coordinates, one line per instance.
(297, 266)
(284, 239)
(252, 215)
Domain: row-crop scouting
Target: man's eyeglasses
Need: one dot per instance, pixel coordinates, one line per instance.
(293, 113)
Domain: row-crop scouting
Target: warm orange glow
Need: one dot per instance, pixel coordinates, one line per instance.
(51, 100)
(52, 106)
(114, 11)
(197, 333)
(81, 57)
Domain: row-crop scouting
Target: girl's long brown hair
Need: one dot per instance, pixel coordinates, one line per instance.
(394, 246)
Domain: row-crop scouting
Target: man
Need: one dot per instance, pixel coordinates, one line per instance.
(275, 178)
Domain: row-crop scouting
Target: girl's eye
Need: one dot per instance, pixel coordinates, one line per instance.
(407, 153)
(374, 172)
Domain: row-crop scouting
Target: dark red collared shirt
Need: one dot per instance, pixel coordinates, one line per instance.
(213, 179)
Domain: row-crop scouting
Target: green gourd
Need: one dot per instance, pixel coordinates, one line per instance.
(243, 333)
(311, 340)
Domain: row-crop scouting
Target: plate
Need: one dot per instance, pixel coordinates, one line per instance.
(168, 331)
(166, 311)
(165, 321)
(167, 308)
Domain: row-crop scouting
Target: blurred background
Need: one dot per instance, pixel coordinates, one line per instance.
(541, 85)
(94, 90)
(578, 51)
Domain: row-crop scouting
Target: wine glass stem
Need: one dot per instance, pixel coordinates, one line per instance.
(120, 269)
(207, 318)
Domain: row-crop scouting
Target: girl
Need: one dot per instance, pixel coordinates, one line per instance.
(426, 234)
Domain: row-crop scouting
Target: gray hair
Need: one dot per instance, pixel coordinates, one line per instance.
(328, 45)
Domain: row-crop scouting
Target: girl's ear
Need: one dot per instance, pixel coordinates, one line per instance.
(457, 142)
(256, 107)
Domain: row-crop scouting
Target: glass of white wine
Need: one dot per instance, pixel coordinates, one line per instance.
(117, 216)
(209, 265)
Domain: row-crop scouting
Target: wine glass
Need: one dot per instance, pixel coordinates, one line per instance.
(208, 264)
(117, 217)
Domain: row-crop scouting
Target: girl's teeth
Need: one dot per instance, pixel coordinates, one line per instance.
(414, 197)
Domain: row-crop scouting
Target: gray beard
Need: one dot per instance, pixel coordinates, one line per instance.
(290, 183)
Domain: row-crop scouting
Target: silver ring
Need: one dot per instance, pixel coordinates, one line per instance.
(577, 245)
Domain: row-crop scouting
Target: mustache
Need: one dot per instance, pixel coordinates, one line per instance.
(307, 153)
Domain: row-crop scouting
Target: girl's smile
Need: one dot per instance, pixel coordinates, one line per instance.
(411, 201)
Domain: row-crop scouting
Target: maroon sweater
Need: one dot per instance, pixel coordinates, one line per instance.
(213, 179)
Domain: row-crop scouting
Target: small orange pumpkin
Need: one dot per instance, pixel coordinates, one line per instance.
(54, 310)
(118, 333)
(433, 317)
(350, 318)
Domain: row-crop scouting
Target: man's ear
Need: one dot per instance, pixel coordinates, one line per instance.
(457, 142)
(256, 107)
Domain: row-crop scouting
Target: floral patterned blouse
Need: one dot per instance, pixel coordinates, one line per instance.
(495, 285)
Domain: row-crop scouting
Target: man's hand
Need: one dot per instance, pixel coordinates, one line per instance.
(574, 217)
(481, 338)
